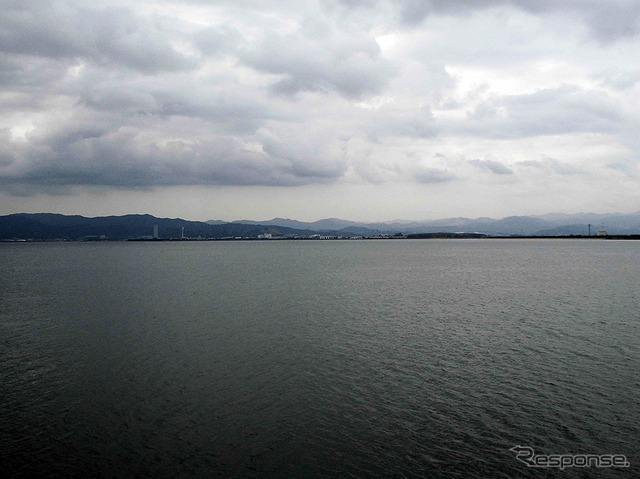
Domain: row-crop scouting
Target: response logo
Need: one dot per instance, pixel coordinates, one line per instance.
(530, 458)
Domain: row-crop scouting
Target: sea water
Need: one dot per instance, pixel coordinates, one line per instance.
(391, 358)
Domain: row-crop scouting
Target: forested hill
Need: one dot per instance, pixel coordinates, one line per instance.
(47, 226)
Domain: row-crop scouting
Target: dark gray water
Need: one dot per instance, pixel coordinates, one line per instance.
(318, 359)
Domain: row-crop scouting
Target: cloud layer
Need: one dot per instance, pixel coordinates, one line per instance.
(450, 95)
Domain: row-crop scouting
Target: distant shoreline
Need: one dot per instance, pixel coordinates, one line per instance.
(418, 236)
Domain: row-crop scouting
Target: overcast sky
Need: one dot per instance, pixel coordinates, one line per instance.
(359, 109)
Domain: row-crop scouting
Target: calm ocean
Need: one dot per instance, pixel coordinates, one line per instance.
(327, 359)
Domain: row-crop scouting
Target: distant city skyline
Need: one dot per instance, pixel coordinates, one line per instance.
(367, 111)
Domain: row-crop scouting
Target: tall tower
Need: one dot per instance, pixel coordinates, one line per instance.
(155, 231)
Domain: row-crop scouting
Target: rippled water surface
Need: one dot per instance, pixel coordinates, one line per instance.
(425, 358)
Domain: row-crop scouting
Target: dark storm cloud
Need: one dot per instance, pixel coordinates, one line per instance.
(6, 157)
(129, 99)
(116, 159)
(23, 71)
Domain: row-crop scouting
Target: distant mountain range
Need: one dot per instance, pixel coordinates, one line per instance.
(551, 224)
(46, 226)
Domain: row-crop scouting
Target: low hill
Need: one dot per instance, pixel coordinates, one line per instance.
(47, 226)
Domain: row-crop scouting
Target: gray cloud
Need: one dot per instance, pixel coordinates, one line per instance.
(622, 80)
(234, 109)
(304, 159)
(551, 165)
(94, 157)
(493, 166)
(626, 166)
(152, 94)
(433, 175)
(24, 72)
(6, 157)
(319, 58)
(407, 122)
(218, 39)
(113, 35)
(563, 110)
(608, 21)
